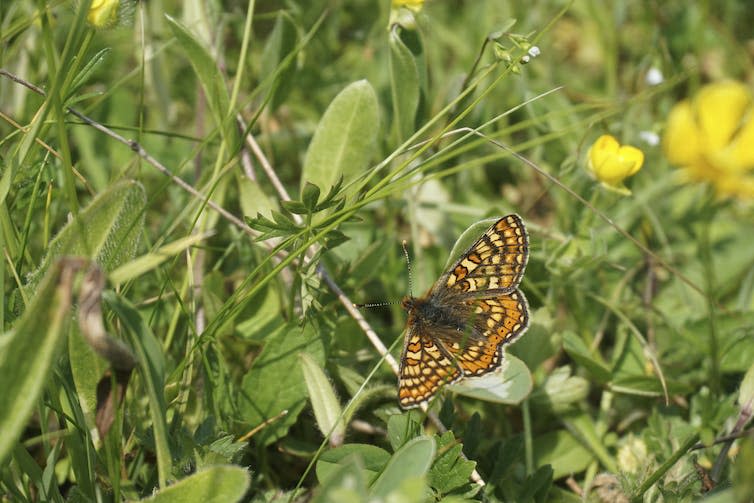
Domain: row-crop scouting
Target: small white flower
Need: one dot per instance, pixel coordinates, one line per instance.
(534, 51)
(654, 77)
(650, 138)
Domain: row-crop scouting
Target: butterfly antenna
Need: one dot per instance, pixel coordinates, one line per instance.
(408, 266)
(410, 284)
(376, 304)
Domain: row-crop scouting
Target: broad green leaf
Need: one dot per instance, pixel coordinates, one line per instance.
(404, 85)
(253, 198)
(146, 263)
(537, 485)
(28, 352)
(510, 384)
(107, 231)
(561, 390)
(261, 315)
(410, 461)
(403, 427)
(735, 339)
(450, 471)
(345, 138)
(327, 410)
(584, 430)
(576, 349)
(217, 484)
(87, 369)
(743, 470)
(563, 452)
(640, 385)
(152, 370)
(373, 460)
(345, 484)
(211, 80)
(274, 387)
(541, 340)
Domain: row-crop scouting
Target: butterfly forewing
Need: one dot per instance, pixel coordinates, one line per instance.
(460, 327)
(495, 262)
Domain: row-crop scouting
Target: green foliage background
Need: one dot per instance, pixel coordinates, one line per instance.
(272, 157)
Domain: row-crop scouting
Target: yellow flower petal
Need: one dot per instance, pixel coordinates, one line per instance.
(682, 141)
(103, 13)
(719, 108)
(712, 138)
(611, 163)
(414, 5)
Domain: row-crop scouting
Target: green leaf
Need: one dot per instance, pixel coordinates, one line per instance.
(410, 461)
(152, 370)
(253, 198)
(310, 196)
(296, 207)
(107, 231)
(450, 470)
(576, 349)
(28, 353)
(280, 43)
(217, 484)
(150, 261)
(327, 410)
(537, 485)
(746, 390)
(87, 369)
(83, 76)
(562, 451)
(373, 460)
(345, 138)
(403, 427)
(275, 382)
(561, 390)
(345, 484)
(743, 470)
(511, 384)
(404, 85)
(211, 80)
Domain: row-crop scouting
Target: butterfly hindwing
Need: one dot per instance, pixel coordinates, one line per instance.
(493, 323)
(425, 367)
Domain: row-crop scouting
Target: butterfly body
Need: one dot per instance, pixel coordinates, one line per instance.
(434, 311)
(458, 329)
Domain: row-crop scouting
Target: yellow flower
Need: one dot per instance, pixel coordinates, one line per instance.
(103, 13)
(611, 163)
(711, 137)
(414, 5)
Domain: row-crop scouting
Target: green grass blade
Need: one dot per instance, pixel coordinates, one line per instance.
(27, 353)
(152, 369)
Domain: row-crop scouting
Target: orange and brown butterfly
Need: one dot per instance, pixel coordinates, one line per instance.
(459, 327)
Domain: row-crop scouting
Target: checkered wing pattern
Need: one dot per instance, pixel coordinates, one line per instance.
(460, 327)
(425, 367)
(494, 323)
(495, 262)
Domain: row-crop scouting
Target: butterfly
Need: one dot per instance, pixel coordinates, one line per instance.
(459, 327)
